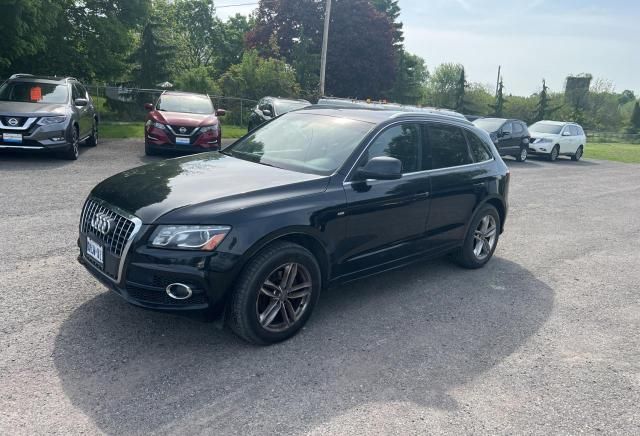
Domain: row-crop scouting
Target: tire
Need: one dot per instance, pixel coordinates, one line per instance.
(468, 255)
(256, 311)
(578, 155)
(524, 153)
(148, 150)
(72, 151)
(555, 152)
(92, 140)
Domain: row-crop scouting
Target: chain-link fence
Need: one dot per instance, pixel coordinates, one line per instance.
(627, 138)
(123, 104)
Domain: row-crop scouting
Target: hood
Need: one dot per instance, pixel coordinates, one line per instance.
(544, 135)
(184, 119)
(213, 181)
(17, 108)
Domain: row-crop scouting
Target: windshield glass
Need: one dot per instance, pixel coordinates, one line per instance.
(489, 124)
(546, 128)
(191, 104)
(283, 106)
(304, 142)
(34, 92)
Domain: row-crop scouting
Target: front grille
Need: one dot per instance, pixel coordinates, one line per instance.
(21, 121)
(117, 238)
(161, 297)
(187, 131)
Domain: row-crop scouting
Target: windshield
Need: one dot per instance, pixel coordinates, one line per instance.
(34, 92)
(191, 104)
(283, 106)
(489, 124)
(304, 142)
(546, 128)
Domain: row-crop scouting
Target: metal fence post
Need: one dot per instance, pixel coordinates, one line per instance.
(241, 113)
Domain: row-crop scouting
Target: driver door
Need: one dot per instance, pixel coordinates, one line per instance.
(386, 219)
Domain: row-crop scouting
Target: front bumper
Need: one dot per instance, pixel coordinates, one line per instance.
(540, 147)
(37, 138)
(159, 140)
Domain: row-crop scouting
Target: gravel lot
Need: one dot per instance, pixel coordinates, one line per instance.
(545, 339)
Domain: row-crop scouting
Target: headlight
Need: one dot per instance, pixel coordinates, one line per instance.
(212, 129)
(205, 238)
(542, 140)
(45, 121)
(156, 124)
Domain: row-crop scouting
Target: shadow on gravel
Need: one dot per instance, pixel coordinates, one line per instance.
(409, 335)
(29, 160)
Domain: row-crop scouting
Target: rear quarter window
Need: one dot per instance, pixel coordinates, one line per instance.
(479, 149)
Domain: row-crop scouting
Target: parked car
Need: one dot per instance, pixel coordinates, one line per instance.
(184, 122)
(317, 197)
(270, 107)
(40, 113)
(555, 138)
(511, 137)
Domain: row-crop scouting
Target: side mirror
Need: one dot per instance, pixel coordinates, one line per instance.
(221, 113)
(266, 112)
(148, 106)
(381, 168)
(504, 133)
(80, 102)
(566, 133)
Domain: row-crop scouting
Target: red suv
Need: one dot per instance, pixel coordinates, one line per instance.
(182, 121)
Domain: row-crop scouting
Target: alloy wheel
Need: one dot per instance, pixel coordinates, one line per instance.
(523, 154)
(284, 297)
(74, 145)
(554, 153)
(484, 237)
(579, 153)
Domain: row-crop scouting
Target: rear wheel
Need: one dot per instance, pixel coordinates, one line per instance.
(553, 156)
(578, 155)
(524, 153)
(275, 294)
(481, 240)
(92, 140)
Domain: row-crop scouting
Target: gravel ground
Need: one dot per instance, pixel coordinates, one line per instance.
(544, 339)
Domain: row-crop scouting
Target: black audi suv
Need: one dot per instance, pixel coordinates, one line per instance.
(317, 197)
(39, 113)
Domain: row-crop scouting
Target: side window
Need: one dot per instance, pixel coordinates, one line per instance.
(479, 150)
(82, 90)
(507, 129)
(402, 142)
(567, 130)
(74, 92)
(448, 146)
(575, 131)
(517, 128)
(580, 131)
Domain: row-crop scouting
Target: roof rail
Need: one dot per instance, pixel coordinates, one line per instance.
(15, 76)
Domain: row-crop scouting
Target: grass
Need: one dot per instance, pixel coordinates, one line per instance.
(110, 130)
(628, 153)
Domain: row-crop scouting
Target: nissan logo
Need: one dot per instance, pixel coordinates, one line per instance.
(183, 130)
(102, 223)
(12, 121)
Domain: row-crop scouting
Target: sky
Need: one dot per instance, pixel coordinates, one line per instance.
(530, 39)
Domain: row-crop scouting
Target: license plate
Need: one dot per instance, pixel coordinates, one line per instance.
(12, 137)
(95, 251)
(183, 141)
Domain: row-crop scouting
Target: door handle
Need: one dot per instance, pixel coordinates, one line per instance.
(421, 196)
(478, 187)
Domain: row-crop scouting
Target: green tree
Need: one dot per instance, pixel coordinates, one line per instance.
(442, 88)
(461, 89)
(635, 119)
(392, 10)
(152, 57)
(196, 80)
(196, 30)
(498, 106)
(411, 79)
(230, 42)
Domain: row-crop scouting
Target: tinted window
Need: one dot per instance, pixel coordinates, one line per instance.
(34, 92)
(517, 128)
(284, 106)
(479, 150)
(507, 128)
(448, 146)
(304, 142)
(489, 124)
(402, 142)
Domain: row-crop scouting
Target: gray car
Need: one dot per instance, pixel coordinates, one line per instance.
(46, 114)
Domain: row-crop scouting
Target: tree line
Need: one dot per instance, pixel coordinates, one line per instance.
(274, 51)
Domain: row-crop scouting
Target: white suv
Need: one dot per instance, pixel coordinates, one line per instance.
(555, 138)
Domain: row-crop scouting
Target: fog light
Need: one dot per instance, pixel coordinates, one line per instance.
(58, 138)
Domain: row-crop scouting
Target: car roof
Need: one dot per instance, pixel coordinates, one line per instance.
(296, 100)
(194, 94)
(45, 79)
(555, 123)
(377, 116)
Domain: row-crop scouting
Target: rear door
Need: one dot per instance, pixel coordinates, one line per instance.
(519, 135)
(387, 218)
(505, 143)
(84, 112)
(458, 182)
(567, 139)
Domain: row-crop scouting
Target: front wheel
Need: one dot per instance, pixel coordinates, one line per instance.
(72, 152)
(524, 153)
(553, 156)
(275, 294)
(92, 140)
(481, 240)
(578, 155)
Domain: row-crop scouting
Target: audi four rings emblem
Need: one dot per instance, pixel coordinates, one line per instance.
(12, 122)
(101, 223)
(183, 130)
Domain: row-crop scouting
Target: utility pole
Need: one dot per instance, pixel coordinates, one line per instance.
(498, 80)
(325, 41)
